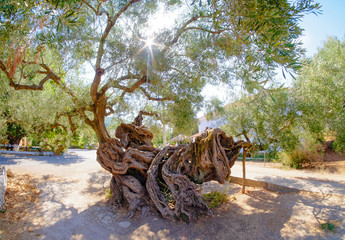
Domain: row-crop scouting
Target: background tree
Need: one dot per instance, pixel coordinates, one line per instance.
(320, 93)
(296, 122)
(269, 121)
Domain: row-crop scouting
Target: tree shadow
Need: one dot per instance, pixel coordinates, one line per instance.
(230, 222)
(258, 214)
(97, 182)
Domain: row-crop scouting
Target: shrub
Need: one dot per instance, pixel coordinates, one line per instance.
(108, 194)
(214, 199)
(328, 226)
(300, 157)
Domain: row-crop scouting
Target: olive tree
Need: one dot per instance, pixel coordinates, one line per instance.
(320, 92)
(50, 42)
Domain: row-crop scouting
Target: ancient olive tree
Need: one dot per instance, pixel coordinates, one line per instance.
(126, 69)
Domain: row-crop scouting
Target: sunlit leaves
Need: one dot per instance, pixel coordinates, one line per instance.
(264, 35)
(321, 92)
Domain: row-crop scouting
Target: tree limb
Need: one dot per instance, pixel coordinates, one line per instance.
(153, 98)
(49, 76)
(113, 83)
(99, 71)
(133, 87)
(179, 32)
(205, 30)
(155, 114)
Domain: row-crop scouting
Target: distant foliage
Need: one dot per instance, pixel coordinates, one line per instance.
(296, 122)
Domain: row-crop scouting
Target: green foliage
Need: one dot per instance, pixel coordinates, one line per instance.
(83, 137)
(210, 42)
(295, 159)
(215, 199)
(52, 139)
(268, 33)
(15, 132)
(328, 226)
(108, 194)
(182, 117)
(214, 108)
(320, 92)
(268, 124)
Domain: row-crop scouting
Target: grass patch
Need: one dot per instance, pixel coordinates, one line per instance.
(328, 226)
(215, 199)
(108, 193)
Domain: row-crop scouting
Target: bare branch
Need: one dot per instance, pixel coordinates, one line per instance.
(133, 87)
(206, 30)
(155, 114)
(33, 86)
(49, 76)
(179, 32)
(113, 82)
(89, 5)
(153, 98)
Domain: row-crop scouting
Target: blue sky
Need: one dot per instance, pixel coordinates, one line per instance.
(331, 22)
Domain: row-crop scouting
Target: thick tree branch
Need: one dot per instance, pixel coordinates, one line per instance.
(179, 32)
(49, 76)
(113, 82)
(206, 30)
(152, 114)
(153, 98)
(99, 71)
(133, 87)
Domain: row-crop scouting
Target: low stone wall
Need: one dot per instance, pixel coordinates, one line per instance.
(265, 185)
(3, 185)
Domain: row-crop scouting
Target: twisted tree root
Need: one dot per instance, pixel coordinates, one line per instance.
(144, 176)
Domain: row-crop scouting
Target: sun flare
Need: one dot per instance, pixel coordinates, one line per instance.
(149, 42)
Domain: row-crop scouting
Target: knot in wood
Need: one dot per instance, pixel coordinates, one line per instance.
(100, 71)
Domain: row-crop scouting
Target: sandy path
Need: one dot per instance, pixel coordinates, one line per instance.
(317, 181)
(72, 206)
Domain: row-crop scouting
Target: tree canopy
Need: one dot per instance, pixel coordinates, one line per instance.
(53, 41)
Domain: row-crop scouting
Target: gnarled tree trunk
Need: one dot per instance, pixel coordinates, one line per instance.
(145, 177)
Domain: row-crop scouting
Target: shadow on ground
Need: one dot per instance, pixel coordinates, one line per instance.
(257, 214)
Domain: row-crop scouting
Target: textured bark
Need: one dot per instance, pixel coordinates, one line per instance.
(145, 177)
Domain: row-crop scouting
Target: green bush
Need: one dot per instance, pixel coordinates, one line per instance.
(328, 226)
(300, 158)
(108, 194)
(214, 199)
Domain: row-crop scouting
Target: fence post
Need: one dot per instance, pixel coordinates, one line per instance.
(245, 149)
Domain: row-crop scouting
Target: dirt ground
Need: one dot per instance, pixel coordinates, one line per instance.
(73, 206)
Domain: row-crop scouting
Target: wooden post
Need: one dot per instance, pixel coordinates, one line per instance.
(244, 170)
(245, 149)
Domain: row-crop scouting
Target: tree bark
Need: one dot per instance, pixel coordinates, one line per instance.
(147, 178)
